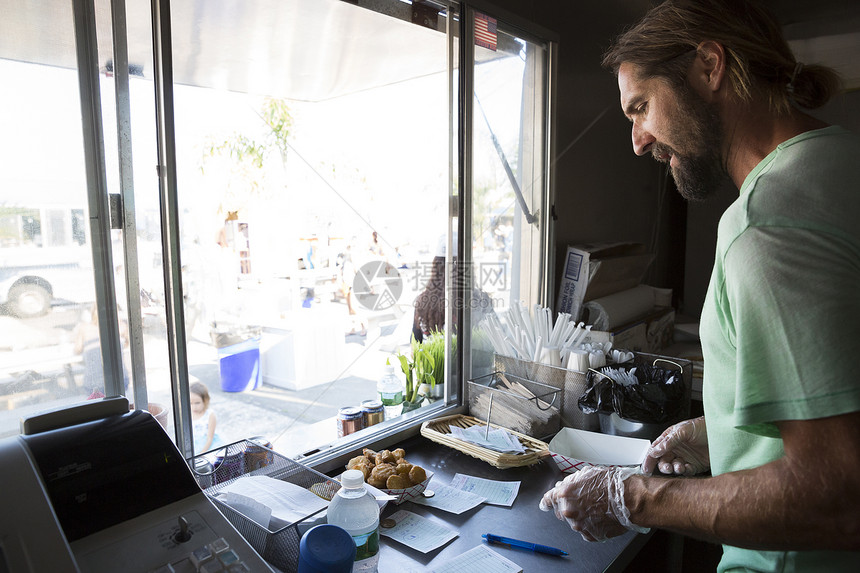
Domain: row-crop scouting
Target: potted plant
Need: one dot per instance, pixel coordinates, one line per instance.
(411, 401)
(425, 371)
(430, 366)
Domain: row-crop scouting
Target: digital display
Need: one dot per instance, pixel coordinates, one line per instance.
(102, 473)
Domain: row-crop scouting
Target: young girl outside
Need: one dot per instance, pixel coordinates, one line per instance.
(203, 420)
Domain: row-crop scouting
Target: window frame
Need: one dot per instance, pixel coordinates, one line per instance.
(409, 424)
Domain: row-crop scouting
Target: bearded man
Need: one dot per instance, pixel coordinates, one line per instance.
(772, 470)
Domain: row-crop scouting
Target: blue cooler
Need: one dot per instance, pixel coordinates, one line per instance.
(240, 366)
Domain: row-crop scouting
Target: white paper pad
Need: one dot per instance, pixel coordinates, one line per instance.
(417, 532)
(289, 502)
(450, 499)
(479, 559)
(494, 492)
(250, 508)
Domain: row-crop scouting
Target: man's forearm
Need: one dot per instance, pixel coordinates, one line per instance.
(773, 507)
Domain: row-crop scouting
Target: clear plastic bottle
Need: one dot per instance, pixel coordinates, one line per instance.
(390, 392)
(355, 510)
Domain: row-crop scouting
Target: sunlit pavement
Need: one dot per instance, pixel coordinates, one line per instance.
(290, 419)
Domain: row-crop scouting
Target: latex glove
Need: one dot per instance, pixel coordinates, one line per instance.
(592, 502)
(682, 449)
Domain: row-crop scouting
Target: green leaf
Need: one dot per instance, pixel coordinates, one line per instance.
(406, 367)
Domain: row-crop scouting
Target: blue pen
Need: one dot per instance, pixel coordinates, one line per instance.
(537, 548)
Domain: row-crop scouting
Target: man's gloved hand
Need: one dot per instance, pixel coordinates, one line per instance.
(592, 502)
(682, 449)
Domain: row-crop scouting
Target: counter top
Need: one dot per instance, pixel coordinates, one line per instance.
(523, 520)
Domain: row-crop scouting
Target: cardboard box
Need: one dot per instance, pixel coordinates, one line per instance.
(574, 281)
(574, 449)
(616, 267)
(594, 270)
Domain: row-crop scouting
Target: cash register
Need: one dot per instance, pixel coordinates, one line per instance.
(99, 488)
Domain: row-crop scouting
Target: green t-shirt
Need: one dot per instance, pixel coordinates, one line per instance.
(781, 321)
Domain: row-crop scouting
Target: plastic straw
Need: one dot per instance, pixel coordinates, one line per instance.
(538, 349)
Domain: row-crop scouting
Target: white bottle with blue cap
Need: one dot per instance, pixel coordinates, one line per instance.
(355, 510)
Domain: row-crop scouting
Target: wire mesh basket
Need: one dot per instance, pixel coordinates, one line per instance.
(513, 402)
(574, 384)
(571, 383)
(219, 468)
(685, 367)
(642, 397)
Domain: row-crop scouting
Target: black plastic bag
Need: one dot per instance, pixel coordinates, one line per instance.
(640, 393)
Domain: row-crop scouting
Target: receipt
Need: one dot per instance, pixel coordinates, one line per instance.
(451, 499)
(417, 532)
(495, 492)
(479, 559)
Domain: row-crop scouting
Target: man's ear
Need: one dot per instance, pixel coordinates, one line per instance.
(709, 67)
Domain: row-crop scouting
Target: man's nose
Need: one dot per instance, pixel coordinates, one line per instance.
(642, 140)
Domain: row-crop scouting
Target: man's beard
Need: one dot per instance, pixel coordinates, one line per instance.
(699, 171)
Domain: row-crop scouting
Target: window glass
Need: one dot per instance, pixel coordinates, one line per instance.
(508, 184)
(49, 343)
(313, 182)
(317, 174)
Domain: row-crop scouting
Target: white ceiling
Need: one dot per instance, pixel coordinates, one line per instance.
(253, 46)
(261, 46)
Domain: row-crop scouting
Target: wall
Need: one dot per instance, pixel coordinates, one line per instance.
(603, 191)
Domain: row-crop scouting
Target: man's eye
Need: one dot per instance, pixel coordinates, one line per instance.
(642, 108)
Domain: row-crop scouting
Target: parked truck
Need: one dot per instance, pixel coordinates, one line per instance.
(45, 259)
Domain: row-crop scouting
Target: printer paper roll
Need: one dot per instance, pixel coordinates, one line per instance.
(620, 308)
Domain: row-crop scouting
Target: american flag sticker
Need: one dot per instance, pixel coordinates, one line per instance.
(485, 31)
